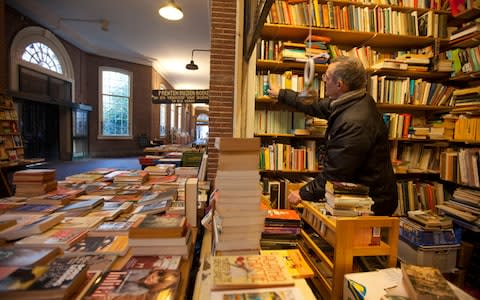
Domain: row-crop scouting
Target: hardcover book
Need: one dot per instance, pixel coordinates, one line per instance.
(82, 205)
(250, 271)
(138, 284)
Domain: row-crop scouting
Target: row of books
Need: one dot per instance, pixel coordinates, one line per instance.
(286, 80)
(285, 157)
(405, 90)
(418, 195)
(464, 60)
(360, 18)
(461, 166)
(8, 114)
(278, 121)
(416, 158)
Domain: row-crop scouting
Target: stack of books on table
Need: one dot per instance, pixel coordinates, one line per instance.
(347, 199)
(166, 234)
(33, 182)
(282, 227)
(238, 219)
(131, 177)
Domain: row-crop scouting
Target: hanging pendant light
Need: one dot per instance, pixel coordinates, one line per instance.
(171, 11)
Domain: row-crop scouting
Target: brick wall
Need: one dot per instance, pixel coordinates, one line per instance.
(222, 73)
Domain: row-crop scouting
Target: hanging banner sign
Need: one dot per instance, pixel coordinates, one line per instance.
(179, 96)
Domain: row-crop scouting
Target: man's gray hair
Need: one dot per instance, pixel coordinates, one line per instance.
(351, 71)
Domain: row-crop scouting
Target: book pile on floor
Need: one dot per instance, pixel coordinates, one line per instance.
(100, 234)
(347, 199)
(238, 219)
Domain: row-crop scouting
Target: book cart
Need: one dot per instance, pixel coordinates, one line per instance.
(350, 237)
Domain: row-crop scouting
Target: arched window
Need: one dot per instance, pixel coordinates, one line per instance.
(42, 55)
(39, 50)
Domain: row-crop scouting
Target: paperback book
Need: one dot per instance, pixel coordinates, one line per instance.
(93, 245)
(138, 284)
(250, 271)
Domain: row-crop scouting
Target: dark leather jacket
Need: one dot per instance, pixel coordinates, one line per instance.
(357, 147)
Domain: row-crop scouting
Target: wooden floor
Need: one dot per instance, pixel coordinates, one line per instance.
(67, 168)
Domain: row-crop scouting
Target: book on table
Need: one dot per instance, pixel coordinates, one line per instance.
(98, 262)
(138, 284)
(293, 259)
(18, 257)
(29, 225)
(158, 226)
(114, 245)
(163, 262)
(61, 238)
(249, 271)
(43, 282)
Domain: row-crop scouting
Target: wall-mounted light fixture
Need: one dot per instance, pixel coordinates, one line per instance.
(192, 66)
(171, 11)
(103, 23)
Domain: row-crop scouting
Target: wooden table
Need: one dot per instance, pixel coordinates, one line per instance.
(6, 167)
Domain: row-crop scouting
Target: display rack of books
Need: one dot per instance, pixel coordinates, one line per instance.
(333, 243)
(11, 144)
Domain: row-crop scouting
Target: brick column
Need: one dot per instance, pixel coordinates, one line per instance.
(222, 74)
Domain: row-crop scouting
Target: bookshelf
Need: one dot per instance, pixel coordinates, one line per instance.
(350, 237)
(11, 144)
(370, 42)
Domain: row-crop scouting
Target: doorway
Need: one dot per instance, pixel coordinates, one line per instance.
(39, 124)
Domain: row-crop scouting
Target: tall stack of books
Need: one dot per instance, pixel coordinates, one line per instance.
(238, 219)
(34, 182)
(347, 199)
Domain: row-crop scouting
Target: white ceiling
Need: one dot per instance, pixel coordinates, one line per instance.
(136, 33)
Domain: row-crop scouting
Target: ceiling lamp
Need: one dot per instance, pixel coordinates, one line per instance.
(192, 65)
(171, 11)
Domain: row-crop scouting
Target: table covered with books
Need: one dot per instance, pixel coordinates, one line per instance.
(101, 234)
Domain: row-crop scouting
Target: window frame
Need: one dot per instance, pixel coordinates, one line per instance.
(100, 134)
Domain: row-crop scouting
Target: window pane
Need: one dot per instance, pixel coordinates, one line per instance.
(163, 119)
(115, 83)
(115, 115)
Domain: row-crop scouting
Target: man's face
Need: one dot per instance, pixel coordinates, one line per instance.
(332, 86)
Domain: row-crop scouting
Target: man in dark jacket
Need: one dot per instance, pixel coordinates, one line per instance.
(357, 146)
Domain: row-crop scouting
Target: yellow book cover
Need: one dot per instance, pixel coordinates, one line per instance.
(297, 265)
